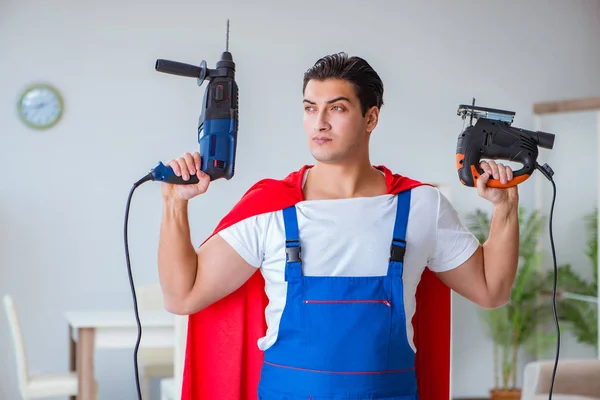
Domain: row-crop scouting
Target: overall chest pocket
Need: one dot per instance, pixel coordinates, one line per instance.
(348, 335)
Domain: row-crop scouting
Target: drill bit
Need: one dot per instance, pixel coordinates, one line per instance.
(227, 37)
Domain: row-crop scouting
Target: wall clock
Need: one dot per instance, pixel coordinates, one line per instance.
(40, 106)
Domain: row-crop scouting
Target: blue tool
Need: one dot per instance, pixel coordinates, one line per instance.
(218, 122)
(217, 137)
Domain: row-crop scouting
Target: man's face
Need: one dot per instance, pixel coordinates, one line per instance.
(333, 121)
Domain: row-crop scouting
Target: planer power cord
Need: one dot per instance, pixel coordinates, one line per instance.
(545, 170)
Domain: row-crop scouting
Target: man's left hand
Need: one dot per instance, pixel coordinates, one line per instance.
(497, 196)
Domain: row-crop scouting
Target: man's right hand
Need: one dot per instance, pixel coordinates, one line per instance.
(184, 167)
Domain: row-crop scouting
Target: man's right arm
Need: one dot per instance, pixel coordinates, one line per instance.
(194, 279)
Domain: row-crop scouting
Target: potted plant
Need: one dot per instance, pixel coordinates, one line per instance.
(523, 323)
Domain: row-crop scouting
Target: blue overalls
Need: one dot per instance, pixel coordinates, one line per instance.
(342, 338)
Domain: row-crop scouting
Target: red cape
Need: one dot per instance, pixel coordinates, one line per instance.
(222, 359)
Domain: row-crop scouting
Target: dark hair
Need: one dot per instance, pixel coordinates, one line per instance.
(367, 83)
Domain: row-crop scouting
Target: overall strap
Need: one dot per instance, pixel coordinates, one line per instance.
(293, 264)
(398, 247)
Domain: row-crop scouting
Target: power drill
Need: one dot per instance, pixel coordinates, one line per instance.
(218, 122)
(217, 137)
(493, 137)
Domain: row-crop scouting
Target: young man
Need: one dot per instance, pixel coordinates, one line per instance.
(341, 247)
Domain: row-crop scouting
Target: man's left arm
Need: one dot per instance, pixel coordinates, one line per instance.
(487, 277)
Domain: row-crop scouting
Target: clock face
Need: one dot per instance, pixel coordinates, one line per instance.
(40, 106)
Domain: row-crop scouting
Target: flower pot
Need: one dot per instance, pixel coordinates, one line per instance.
(505, 394)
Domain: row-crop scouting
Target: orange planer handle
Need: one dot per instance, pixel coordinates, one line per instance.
(468, 175)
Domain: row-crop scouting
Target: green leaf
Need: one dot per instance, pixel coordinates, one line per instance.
(581, 319)
(592, 244)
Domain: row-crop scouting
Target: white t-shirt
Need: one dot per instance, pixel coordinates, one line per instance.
(352, 237)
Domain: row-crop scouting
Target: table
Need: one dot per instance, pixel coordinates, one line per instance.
(112, 329)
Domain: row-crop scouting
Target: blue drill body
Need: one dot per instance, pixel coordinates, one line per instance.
(218, 146)
(218, 122)
(217, 141)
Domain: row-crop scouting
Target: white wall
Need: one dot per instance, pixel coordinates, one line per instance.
(64, 191)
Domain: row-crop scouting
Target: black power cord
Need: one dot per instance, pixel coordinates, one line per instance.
(146, 178)
(547, 172)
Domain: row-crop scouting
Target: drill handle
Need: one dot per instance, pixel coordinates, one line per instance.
(179, 68)
(164, 173)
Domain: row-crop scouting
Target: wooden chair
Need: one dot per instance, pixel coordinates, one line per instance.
(153, 362)
(170, 388)
(39, 386)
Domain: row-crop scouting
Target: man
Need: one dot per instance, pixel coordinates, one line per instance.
(342, 261)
